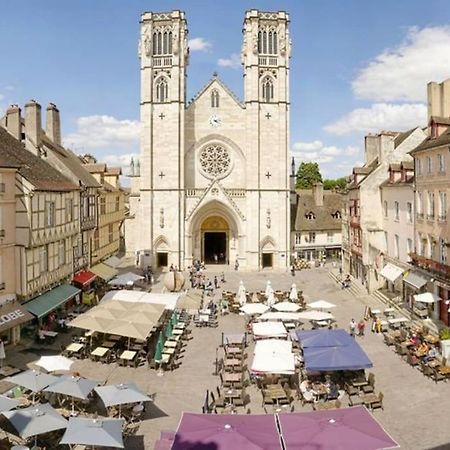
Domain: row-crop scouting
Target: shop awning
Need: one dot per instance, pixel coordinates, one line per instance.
(13, 314)
(105, 272)
(415, 280)
(391, 272)
(113, 261)
(84, 277)
(45, 303)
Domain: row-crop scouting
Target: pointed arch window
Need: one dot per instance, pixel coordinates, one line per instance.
(162, 43)
(267, 90)
(214, 98)
(162, 90)
(267, 42)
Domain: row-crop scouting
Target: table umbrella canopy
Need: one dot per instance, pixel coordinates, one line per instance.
(273, 345)
(33, 380)
(124, 279)
(426, 297)
(225, 432)
(102, 432)
(321, 304)
(269, 288)
(271, 299)
(324, 338)
(315, 315)
(54, 363)
(72, 386)
(254, 308)
(7, 403)
(242, 298)
(273, 362)
(276, 315)
(345, 428)
(269, 329)
(36, 419)
(293, 295)
(120, 394)
(241, 288)
(190, 300)
(286, 307)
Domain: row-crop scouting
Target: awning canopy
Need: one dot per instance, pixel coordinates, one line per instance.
(104, 272)
(13, 314)
(391, 272)
(45, 303)
(324, 338)
(415, 279)
(84, 277)
(168, 299)
(113, 261)
(426, 297)
(269, 329)
(125, 279)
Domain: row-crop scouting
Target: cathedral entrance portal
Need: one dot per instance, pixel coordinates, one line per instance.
(215, 240)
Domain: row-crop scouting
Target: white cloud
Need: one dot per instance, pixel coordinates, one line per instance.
(402, 73)
(122, 160)
(233, 62)
(316, 151)
(100, 131)
(199, 44)
(380, 116)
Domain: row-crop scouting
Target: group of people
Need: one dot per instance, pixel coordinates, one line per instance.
(310, 395)
(357, 328)
(426, 352)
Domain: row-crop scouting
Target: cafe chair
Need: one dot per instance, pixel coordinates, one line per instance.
(379, 403)
(370, 387)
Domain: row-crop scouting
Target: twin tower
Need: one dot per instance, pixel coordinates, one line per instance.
(214, 172)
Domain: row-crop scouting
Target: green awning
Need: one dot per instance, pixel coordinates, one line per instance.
(43, 304)
(103, 271)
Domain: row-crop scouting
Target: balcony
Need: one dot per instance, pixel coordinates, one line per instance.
(430, 264)
(162, 61)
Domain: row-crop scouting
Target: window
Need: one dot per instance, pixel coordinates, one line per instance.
(442, 205)
(110, 233)
(386, 241)
(409, 246)
(214, 98)
(422, 243)
(336, 215)
(418, 166)
(102, 205)
(267, 90)
(441, 163)
(96, 239)
(118, 203)
(85, 207)
(312, 237)
(431, 247)
(396, 210)
(69, 210)
(43, 258)
(62, 253)
(429, 164)
(298, 238)
(385, 208)
(310, 216)
(49, 214)
(419, 204)
(330, 237)
(430, 205)
(267, 42)
(396, 246)
(442, 252)
(162, 43)
(162, 90)
(409, 212)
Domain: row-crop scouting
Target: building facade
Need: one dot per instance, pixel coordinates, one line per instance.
(432, 191)
(213, 177)
(317, 231)
(363, 256)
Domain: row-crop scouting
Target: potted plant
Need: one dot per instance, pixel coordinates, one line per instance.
(444, 336)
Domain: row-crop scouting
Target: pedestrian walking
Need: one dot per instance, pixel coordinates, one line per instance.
(361, 327)
(236, 265)
(216, 282)
(352, 327)
(2, 352)
(293, 270)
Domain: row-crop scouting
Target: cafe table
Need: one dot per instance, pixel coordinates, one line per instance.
(74, 347)
(170, 344)
(229, 394)
(177, 332)
(431, 339)
(389, 311)
(168, 351)
(444, 370)
(233, 350)
(114, 337)
(109, 344)
(232, 363)
(434, 363)
(370, 399)
(128, 356)
(232, 378)
(180, 326)
(275, 392)
(100, 351)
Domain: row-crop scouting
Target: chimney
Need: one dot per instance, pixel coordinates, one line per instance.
(318, 194)
(14, 121)
(53, 124)
(33, 128)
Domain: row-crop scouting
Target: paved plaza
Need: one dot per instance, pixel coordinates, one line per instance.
(414, 406)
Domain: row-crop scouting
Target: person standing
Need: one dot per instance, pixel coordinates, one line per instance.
(216, 258)
(352, 327)
(216, 282)
(361, 327)
(2, 352)
(236, 265)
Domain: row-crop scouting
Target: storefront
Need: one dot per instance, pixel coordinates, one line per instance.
(443, 292)
(12, 316)
(392, 274)
(414, 282)
(59, 299)
(85, 280)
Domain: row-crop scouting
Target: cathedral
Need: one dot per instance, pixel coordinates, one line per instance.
(213, 177)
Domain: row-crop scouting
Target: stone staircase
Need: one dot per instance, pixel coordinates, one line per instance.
(354, 288)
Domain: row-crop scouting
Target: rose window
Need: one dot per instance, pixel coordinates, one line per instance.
(215, 161)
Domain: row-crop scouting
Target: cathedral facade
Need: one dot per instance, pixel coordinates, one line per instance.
(213, 182)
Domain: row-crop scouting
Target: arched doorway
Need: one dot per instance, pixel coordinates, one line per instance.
(215, 234)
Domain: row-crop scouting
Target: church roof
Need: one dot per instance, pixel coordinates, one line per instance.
(212, 80)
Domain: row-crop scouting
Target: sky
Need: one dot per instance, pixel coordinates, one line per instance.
(357, 66)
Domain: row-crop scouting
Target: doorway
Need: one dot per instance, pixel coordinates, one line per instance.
(215, 247)
(267, 260)
(161, 259)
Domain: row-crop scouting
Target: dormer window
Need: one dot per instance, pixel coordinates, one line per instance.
(336, 215)
(310, 216)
